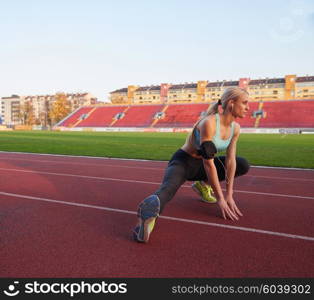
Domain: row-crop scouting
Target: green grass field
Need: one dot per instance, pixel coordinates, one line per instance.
(260, 149)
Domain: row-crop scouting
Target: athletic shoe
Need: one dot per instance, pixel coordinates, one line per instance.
(147, 212)
(205, 191)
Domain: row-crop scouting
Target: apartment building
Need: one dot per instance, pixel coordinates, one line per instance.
(268, 89)
(12, 107)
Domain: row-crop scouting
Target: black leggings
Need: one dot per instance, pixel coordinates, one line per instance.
(183, 166)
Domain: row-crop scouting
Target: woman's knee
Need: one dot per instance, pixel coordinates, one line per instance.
(243, 166)
(167, 191)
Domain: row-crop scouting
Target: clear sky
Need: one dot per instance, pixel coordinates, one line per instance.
(99, 46)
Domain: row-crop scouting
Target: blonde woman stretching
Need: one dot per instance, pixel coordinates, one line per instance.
(196, 161)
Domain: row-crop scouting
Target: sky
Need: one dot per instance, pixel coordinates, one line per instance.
(98, 46)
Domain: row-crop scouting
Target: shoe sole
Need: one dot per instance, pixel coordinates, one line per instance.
(200, 194)
(148, 228)
(144, 231)
(147, 212)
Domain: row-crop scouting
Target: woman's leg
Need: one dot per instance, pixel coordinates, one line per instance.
(175, 176)
(153, 205)
(241, 169)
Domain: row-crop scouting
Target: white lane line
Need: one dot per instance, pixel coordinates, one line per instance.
(281, 234)
(293, 236)
(284, 168)
(138, 167)
(81, 164)
(280, 178)
(134, 159)
(144, 182)
(271, 194)
(82, 156)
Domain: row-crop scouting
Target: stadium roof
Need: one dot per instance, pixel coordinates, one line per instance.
(183, 86)
(267, 81)
(305, 79)
(276, 80)
(149, 88)
(214, 84)
(219, 84)
(231, 83)
(13, 96)
(124, 90)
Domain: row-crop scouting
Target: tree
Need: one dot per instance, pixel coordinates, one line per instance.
(60, 108)
(26, 113)
(44, 116)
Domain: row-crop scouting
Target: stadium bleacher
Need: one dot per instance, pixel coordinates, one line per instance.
(288, 114)
(102, 116)
(268, 114)
(71, 120)
(139, 116)
(181, 115)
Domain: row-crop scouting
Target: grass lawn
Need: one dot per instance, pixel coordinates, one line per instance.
(260, 149)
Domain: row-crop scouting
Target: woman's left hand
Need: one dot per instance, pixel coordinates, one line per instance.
(233, 206)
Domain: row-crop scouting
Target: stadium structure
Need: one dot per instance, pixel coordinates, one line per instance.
(278, 104)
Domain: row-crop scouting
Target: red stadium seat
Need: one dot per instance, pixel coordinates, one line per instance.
(182, 115)
(139, 116)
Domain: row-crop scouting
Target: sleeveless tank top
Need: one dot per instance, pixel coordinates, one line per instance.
(220, 144)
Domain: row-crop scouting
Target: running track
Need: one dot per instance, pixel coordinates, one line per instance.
(72, 217)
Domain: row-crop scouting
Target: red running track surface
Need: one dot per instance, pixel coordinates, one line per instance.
(72, 217)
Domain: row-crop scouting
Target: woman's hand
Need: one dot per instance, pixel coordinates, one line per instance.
(226, 211)
(233, 207)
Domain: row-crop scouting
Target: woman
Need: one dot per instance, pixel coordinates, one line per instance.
(196, 161)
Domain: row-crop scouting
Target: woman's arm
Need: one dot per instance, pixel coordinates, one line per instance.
(231, 168)
(212, 177)
(231, 160)
(207, 132)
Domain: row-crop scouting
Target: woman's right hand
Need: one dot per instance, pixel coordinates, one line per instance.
(226, 211)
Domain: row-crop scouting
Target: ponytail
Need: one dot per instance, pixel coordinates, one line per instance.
(213, 109)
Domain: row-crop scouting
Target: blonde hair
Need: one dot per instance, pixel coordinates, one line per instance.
(231, 93)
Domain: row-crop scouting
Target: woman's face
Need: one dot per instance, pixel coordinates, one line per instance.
(241, 106)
